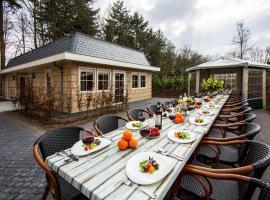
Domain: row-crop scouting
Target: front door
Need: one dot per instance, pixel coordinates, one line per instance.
(22, 83)
(119, 86)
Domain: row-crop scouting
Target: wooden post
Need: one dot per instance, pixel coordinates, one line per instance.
(198, 81)
(189, 77)
(245, 82)
(264, 89)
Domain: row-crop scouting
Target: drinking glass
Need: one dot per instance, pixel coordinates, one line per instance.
(141, 117)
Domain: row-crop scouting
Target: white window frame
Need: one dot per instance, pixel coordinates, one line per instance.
(135, 74)
(87, 69)
(109, 79)
(139, 80)
(125, 81)
(46, 72)
(145, 75)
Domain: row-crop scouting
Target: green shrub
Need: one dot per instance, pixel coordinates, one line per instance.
(169, 82)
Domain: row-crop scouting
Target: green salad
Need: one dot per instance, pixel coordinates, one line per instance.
(182, 135)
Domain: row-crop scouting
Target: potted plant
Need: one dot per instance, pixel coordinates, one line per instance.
(212, 85)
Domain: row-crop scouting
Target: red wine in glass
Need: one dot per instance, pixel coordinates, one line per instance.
(141, 117)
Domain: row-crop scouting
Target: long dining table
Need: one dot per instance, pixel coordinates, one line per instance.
(99, 175)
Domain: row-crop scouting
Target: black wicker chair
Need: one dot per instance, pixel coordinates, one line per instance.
(133, 114)
(108, 123)
(48, 144)
(253, 162)
(228, 154)
(211, 186)
(152, 108)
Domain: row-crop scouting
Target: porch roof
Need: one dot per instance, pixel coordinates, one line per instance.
(222, 62)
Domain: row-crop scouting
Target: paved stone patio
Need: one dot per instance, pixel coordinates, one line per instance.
(21, 178)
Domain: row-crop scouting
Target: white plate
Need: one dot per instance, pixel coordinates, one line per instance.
(171, 136)
(166, 164)
(205, 121)
(211, 112)
(78, 149)
(129, 125)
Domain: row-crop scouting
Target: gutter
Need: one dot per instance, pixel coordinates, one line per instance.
(80, 58)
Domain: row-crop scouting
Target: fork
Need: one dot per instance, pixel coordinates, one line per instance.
(71, 156)
(129, 183)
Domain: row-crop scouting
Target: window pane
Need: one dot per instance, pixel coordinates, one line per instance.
(143, 81)
(83, 86)
(255, 84)
(103, 80)
(135, 80)
(87, 81)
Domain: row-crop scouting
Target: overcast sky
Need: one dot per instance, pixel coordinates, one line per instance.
(207, 26)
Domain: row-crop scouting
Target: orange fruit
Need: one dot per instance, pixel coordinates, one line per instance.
(132, 143)
(179, 120)
(177, 114)
(151, 170)
(127, 135)
(122, 144)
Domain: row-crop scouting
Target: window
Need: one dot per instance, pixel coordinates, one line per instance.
(143, 81)
(230, 81)
(135, 81)
(86, 80)
(48, 80)
(103, 80)
(192, 83)
(255, 84)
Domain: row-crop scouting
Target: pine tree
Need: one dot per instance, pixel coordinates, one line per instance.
(59, 17)
(117, 25)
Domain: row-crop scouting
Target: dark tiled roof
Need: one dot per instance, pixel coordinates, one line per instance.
(82, 44)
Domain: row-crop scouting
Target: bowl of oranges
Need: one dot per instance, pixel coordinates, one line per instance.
(127, 141)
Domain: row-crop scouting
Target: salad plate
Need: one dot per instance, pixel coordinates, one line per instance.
(82, 149)
(147, 168)
(182, 136)
(206, 112)
(136, 125)
(199, 121)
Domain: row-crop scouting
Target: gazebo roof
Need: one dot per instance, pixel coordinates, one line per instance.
(222, 62)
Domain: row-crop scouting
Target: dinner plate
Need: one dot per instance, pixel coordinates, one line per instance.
(211, 112)
(205, 121)
(166, 164)
(192, 135)
(78, 148)
(129, 125)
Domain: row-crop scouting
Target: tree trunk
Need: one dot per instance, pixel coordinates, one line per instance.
(35, 23)
(2, 40)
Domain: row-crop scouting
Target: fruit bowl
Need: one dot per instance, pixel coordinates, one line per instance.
(150, 133)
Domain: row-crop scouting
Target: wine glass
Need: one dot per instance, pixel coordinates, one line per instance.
(141, 116)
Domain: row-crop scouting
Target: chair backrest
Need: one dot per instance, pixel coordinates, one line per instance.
(257, 155)
(133, 113)
(249, 117)
(152, 108)
(264, 188)
(246, 109)
(166, 103)
(251, 130)
(108, 123)
(58, 139)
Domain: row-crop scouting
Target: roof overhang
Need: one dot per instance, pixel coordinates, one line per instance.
(80, 58)
(263, 66)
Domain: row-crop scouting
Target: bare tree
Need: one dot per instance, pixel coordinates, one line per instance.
(242, 40)
(256, 54)
(267, 55)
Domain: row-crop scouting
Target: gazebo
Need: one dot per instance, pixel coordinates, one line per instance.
(243, 77)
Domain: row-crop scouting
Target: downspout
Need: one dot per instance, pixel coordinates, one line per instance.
(62, 88)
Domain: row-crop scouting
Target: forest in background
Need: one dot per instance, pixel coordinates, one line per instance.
(29, 24)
